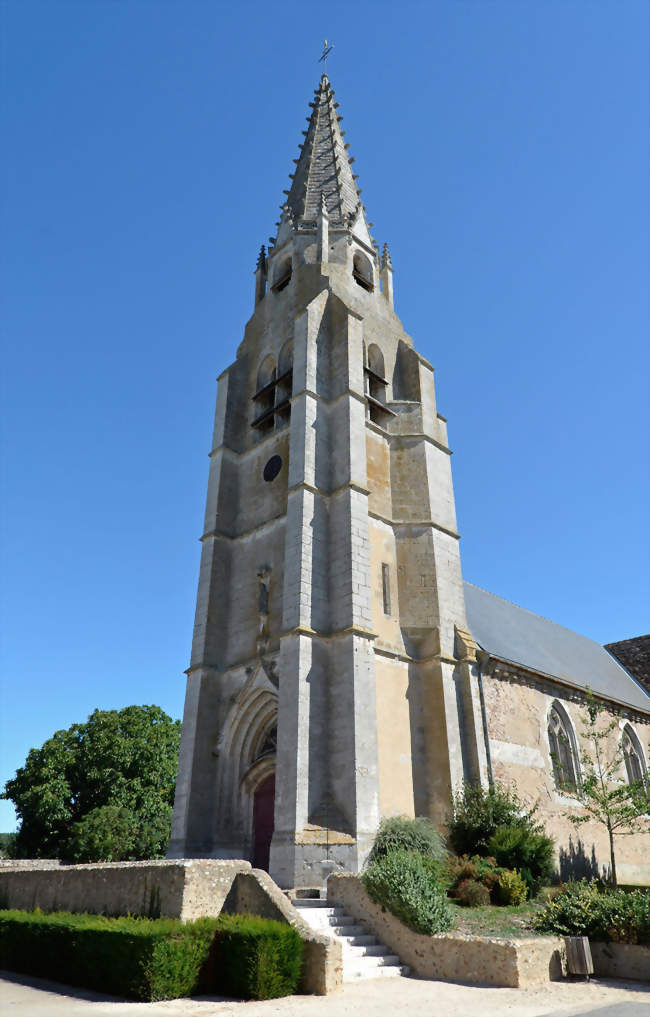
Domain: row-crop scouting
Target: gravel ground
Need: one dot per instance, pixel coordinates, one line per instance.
(21, 996)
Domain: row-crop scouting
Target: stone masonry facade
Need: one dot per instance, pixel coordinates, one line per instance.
(332, 665)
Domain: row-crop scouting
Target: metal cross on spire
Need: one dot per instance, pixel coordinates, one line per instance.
(324, 55)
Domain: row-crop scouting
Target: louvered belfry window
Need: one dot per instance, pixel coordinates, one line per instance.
(563, 754)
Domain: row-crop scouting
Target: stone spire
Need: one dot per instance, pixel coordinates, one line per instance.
(323, 168)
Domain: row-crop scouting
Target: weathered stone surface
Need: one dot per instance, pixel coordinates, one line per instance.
(621, 960)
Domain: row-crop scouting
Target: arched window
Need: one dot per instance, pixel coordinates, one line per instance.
(374, 372)
(267, 744)
(635, 766)
(362, 271)
(282, 274)
(562, 744)
(264, 398)
(285, 384)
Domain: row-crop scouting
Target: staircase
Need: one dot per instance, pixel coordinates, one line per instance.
(363, 956)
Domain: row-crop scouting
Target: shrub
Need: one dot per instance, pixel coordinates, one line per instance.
(478, 811)
(257, 958)
(403, 883)
(527, 850)
(510, 889)
(472, 893)
(482, 870)
(153, 959)
(398, 833)
(581, 909)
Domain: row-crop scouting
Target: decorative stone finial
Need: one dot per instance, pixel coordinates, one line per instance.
(385, 258)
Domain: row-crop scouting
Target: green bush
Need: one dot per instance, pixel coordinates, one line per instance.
(510, 889)
(398, 833)
(476, 814)
(257, 958)
(404, 883)
(581, 909)
(158, 959)
(527, 850)
(472, 894)
(133, 957)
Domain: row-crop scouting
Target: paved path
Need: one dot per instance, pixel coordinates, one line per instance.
(21, 996)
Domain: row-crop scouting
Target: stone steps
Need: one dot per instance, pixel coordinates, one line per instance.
(363, 955)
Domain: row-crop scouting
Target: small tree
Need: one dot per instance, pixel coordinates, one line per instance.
(619, 806)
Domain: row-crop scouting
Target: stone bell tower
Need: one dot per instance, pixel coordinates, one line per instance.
(333, 678)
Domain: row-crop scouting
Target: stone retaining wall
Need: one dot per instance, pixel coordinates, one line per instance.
(184, 889)
(469, 960)
(621, 960)
(179, 888)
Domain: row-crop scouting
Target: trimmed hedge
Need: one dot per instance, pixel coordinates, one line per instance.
(154, 959)
(581, 909)
(257, 958)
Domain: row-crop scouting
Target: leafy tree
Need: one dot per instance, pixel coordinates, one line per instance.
(7, 841)
(99, 791)
(621, 807)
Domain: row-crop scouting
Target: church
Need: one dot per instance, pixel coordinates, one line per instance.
(342, 670)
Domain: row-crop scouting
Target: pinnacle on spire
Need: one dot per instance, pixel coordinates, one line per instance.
(261, 258)
(385, 258)
(323, 172)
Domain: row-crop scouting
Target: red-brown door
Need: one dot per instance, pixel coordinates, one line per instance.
(263, 803)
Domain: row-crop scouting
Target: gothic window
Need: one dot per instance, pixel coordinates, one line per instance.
(267, 744)
(376, 383)
(282, 275)
(633, 755)
(362, 272)
(562, 744)
(285, 385)
(264, 397)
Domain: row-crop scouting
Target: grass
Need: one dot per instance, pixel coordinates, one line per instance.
(504, 923)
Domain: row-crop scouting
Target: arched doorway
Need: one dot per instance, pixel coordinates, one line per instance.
(263, 824)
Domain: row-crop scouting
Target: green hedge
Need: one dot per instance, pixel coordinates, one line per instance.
(581, 909)
(145, 959)
(257, 958)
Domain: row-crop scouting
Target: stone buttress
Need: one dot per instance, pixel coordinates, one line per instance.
(333, 679)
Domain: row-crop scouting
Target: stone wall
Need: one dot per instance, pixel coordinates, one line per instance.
(186, 889)
(518, 705)
(621, 960)
(469, 960)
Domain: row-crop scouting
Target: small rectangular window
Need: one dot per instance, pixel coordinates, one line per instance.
(385, 584)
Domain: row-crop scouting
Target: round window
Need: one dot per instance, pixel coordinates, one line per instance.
(272, 468)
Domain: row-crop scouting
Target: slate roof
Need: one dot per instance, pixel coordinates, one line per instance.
(521, 637)
(634, 654)
(323, 167)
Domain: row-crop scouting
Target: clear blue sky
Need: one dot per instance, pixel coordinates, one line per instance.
(503, 152)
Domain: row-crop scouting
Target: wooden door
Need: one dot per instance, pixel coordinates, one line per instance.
(263, 805)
